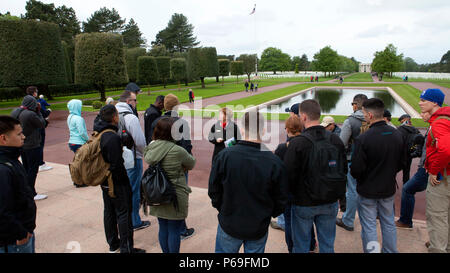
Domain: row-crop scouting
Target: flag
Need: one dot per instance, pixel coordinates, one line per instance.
(254, 9)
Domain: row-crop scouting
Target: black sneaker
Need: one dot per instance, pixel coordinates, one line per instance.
(189, 233)
(342, 225)
(145, 224)
(139, 250)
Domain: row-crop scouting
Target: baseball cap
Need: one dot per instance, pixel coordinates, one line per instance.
(293, 109)
(403, 117)
(433, 95)
(327, 121)
(133, 87)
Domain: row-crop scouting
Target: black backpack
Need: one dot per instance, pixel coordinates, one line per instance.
(414, 141)
(127, 139)
(326, 178)
(156, 186)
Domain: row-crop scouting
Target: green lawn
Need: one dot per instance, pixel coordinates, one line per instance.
(359, 77)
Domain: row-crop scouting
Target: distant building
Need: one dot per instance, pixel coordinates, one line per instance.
(365, 68)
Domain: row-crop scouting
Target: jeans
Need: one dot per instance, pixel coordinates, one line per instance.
(303, 218)
(348, 218)
(281, 221)
(227, 244)
(135, 176)
(41, 155)
(368, 209)
(417, 183)
(74, 147)
(117, 215)
(30, 161)
(29, 247)
(169, 235)
(406, 170)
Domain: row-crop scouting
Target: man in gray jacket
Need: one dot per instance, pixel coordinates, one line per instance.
(31, 120)
(349, 131)
(133, 127)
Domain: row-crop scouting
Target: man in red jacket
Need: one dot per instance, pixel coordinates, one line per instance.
(437, 164)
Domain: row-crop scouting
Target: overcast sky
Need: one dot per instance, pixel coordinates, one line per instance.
(420, 29)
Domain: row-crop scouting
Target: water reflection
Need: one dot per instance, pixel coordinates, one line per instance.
(338, 101)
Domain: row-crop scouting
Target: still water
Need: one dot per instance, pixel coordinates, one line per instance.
(338, 101)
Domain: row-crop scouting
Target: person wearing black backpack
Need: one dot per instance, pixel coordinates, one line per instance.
(378, 156)
(317, 168)
(17, 206)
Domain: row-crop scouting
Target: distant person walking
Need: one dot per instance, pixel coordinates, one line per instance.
(45, 114)
(246, 86)
(31, 120)
(191, 96)
(252, 87)
(247, 199)
(379, 155)
(17, 206)
(174, 161)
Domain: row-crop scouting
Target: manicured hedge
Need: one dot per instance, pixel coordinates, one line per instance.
(163, 64)
(132, 54)
(147, 70)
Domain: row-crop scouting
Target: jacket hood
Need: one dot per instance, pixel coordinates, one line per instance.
(101, 125)
(29, 102)
(74, 107)
(10, 152)
(359, 115)
(409, 129)
(158, 150)
(123, 107)
(443, 111)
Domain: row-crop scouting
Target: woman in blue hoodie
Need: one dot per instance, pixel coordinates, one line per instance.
(77, 125)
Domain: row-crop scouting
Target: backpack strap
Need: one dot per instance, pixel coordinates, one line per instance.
(433, 142)
(110, 181)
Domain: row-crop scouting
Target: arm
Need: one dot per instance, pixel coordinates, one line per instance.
(37, 120)
(215, 187)
(358, 167)
(134, 127)
(8, 221)
(81, 128)
(111, 148)
(293, 164)
(346, 133)
(188, 161)
(441, 158)
(211, 135)
(280, 186)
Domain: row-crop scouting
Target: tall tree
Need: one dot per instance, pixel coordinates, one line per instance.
(38, 10)
(304, 63)
(158, 50)
(273, 59)
(387, 61)
(326, 60)
(178, 36)
(224, 68)
(202, 62)
(131, 55)
(237, 69)
(445, 62)
(410, 65)
(249, 62)
(132, 36)
(104, 20)
(163, 64)
(178, 69)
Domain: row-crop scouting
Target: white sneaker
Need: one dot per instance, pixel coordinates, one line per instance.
(40, 197)
(44, 168)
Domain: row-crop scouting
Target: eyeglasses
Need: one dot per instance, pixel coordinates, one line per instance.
(354, 103)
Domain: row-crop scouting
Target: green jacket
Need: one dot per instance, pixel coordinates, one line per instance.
(176, 160)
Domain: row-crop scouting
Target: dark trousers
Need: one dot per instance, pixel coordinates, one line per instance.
(117, 218)
(407, 170)
(41, 155)
(30, 160)
(191, 99)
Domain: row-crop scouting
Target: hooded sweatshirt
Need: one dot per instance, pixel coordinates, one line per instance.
(133, 127)
(351, 129)
(76, 124)
(174, 159)
(31, 122)
(438, 155)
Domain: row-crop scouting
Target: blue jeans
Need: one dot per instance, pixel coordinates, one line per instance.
(303, 218)
(368, 209)
(135, 176)
(281, 221)
(416, 184)
(169, 235)
(227, 244)
(29, 247)
(348, 218)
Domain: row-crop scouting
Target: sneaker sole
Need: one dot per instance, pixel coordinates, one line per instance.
(141, 227)
(187, 237)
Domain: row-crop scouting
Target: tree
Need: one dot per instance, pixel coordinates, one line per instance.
(273, 59)
(100, 60)
(410, 65)
(158, 50)
(304, 64)
(202, 62)
(67, 63)
(178, 69)
(147, 70)
(326, 60)
(104, 20)
(163, 64)
(237, 69)
(31, 53)
(38, 10)
(178, 36)
(8, 16)
(445, 62)
(132, 36)
(224, 68)
(249, 62)
(131, 55)
(387, 61)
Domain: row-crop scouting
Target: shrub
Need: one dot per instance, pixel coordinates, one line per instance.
(163, 64)
(100, 60)
(132, 54)
(147, 70)
(178, 69)
(96, 104)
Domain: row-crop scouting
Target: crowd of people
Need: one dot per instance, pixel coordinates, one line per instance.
(320, 169)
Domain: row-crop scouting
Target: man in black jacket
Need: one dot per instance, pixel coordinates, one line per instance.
(379, 155)
(307, 208)
(117, 211)
(247, 185)
(32, 121)
(17, 207)
(151, 114)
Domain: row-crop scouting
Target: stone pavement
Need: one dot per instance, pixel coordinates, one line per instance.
(71, 220)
